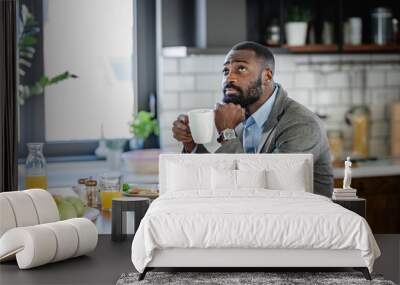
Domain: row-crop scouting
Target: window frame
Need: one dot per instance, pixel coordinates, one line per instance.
(32, 128)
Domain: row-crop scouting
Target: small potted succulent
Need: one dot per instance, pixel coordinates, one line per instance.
(296, 26)
(143, 125)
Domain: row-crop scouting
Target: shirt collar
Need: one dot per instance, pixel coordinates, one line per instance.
(261, 115)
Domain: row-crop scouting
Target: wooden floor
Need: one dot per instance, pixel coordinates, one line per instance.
(388, 264)
(103, 266)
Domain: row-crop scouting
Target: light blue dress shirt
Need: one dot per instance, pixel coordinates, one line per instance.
(254, 124)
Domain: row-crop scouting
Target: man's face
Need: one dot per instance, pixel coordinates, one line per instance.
(242, 78)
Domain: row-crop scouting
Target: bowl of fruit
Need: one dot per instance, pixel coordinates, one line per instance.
(70, 205)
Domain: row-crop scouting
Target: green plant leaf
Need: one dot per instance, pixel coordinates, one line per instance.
(28, 40)
(31, 31)
(143, 125)
(28, 49)
(37, 89)
(44, 81)
(298, 14)
(60, 77)
(26, 54)
(24, 62)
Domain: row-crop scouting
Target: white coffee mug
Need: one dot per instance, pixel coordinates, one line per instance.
(201, 123)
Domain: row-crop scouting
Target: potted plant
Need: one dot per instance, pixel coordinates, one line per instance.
(296, 26)
(142, 126)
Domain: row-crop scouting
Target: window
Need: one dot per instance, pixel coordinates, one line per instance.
(94, 39)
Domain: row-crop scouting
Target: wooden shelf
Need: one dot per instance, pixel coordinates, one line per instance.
(372, 48)
(261, 15)
(315, 48)
(320, 48)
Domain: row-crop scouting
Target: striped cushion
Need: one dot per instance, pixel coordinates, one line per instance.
(31, 232)
(40, 244)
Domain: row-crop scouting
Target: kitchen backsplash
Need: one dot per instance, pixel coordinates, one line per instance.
(327, 84)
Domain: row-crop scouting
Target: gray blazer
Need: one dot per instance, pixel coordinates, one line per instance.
(291, 128)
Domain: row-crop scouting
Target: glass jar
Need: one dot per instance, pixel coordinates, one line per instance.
(359, 118)
(81, 189)
(91, 193)
(335, 138)
(35, 167)
(273, 33)
(382, 26)
(396, 30)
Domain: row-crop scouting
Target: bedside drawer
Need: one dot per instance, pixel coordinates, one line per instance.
(358, 205)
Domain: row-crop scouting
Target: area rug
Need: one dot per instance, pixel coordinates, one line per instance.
(243, 278)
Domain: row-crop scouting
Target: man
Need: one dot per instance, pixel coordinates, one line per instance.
(258, 116)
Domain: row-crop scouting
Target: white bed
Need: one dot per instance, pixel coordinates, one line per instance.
(230, 210)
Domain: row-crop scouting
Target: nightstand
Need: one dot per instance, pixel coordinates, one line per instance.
(357, 205)
(138, 205)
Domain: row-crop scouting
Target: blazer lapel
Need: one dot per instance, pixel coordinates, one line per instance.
(272, 121)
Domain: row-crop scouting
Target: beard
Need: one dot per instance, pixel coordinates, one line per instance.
(244, 98)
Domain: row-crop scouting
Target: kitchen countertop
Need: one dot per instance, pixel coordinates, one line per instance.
(66, 174)
(374, 168)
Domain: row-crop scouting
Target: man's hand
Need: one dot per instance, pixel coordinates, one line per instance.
(228, 116)
(182, 132)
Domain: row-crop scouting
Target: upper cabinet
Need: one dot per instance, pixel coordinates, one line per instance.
(287, 26)
(334, 26)
(203, 23)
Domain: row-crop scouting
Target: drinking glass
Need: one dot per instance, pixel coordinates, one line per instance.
(110, 187)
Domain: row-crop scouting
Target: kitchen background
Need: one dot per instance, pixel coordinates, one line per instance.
(327, 84)
(347, 56)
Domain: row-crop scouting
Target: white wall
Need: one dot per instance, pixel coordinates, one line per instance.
(329, 87)
(93, 39)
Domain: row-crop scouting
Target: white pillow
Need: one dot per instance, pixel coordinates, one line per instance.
(185, 173)
(183, 177)
(280, 174)
(223, 179)
(293, 180)
(226, 179)
(251, 178)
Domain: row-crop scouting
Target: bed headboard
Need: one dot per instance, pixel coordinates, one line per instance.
(284, 163)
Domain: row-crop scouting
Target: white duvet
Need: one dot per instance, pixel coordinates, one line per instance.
(250, 219)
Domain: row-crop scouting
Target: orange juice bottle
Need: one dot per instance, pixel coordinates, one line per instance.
(35, 167)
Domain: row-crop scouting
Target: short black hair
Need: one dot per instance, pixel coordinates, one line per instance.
(260, 50)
